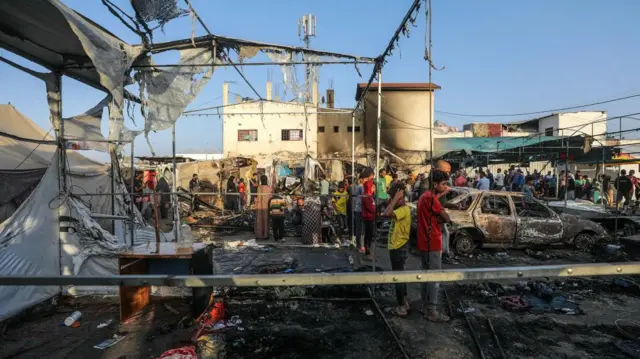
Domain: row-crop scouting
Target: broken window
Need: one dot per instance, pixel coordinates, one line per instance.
(291, 135)
(498, 205)
(336, 129)
(320, 129)
(350, 129)
(248, 135)
(460, 202)
(529, 207)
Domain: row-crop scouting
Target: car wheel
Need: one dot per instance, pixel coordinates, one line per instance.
(464, 244)
(584, 241)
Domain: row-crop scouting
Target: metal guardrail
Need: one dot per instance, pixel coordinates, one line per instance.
(303, 279)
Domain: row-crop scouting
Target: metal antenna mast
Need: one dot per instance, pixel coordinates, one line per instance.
(307, 30)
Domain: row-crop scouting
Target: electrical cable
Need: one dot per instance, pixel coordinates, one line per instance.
(539, 112)
(34, 149)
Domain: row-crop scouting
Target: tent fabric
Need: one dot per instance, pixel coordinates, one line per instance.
(37, 30)
(84, 129)
(49, 235)
(23, 155)
(443, 146)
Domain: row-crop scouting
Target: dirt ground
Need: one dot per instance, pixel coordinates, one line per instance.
(572, 318)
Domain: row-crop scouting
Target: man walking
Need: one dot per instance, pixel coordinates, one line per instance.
(430, 214)
(276, 212)
(499, 180)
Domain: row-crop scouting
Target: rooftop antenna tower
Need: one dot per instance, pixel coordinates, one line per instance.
(307, 30)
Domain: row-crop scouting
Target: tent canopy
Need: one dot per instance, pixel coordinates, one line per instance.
(37, 31)
(25, 155)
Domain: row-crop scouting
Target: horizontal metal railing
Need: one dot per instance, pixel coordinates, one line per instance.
(352, 278)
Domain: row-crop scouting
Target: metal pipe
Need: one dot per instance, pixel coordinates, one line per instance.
(495, 337)
(113, 190)
(377, 173)
(473, 332)
(132, 198)
(174, 197)
(348, 278)
(226, 64)
(386, 322)
(353, 178)
(566, 174)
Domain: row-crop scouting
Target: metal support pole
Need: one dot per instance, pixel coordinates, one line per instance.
(353, 176)
(174, 197)
(133, 198)
(619, 169)
(56, 103)
(377, 173)
(566, 174)
(113, 190)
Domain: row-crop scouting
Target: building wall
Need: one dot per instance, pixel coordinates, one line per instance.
(275, 117)
(572, 119)
(331, 141)
(405, 120)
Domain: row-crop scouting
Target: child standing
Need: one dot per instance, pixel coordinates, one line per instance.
(368, 212)
(276, 212)
(398, 245)
(340, 206)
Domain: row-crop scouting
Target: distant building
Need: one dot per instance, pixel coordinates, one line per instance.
(407, 116)
(583, 123)
(258, 128)
(336, 130)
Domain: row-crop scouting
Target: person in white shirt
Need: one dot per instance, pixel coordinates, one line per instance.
(499, 179)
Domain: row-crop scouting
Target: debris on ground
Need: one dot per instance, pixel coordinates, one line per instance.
(109, 342)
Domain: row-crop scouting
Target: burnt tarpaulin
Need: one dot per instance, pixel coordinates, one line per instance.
(111, 57)
(83, 131)
(166, 93)
(160, 11)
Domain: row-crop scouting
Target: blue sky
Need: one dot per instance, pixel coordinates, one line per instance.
(500, 56)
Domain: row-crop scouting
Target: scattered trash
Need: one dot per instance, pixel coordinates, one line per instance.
(237, 269)
(219, 325)
(289, 261)
(74, 317)
(350, 259)
(514, 302)
(188, 352)
(105, 324)
(170, 308)
(290, 292)
(234, 321)
(467, 310)
(502, 255)
(485, 293)
(109, 342)
(241, 329)
(75, 325)
(267, 249)
(368, 312)
(288, 270)
(612, 248)
(544, 290)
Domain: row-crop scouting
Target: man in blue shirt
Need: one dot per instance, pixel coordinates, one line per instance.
(483, 182)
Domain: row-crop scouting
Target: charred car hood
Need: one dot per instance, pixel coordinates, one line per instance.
(573, 225)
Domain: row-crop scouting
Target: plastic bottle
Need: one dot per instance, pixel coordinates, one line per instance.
(72, 318)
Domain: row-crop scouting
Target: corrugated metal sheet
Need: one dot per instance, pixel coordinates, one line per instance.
(541, 166)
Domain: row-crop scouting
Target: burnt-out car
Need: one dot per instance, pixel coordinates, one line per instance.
(499, 219)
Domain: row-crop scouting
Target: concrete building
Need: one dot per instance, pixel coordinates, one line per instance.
(259, 128)
(336, 130)
(583, 123)
(407, 115)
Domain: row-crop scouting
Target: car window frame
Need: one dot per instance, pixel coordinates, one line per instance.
(507, 198)
(552, 213)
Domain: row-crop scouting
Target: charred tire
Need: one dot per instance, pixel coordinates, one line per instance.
(464, 243)
(584, 241)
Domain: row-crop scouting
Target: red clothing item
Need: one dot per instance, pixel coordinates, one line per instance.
(429, 208)
(460, 182)
(368, 204)
(634, 180)
(242, 187)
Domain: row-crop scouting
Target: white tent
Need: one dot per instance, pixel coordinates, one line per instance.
(48, 232)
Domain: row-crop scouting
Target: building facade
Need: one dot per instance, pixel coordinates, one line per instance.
(336, 131)
(407, 116)
(258, 128)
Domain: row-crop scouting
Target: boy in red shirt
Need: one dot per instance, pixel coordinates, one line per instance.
(430, 215)
(368, 211)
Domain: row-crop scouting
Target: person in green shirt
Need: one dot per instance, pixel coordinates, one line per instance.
(399, 233)
(381, 192)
